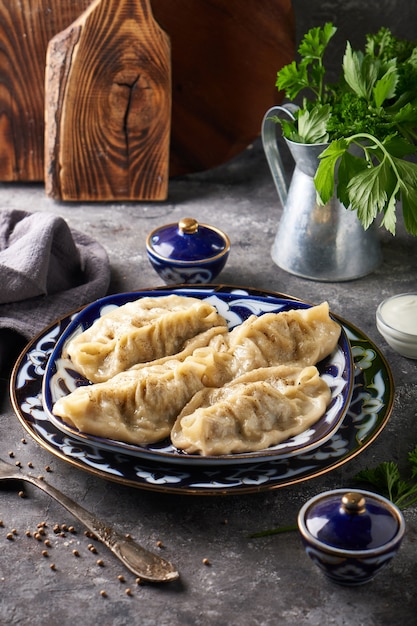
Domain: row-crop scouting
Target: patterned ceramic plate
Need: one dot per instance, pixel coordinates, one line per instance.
(337, 370)
(368, 413)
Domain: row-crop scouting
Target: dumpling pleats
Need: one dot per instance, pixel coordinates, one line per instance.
(253, 412)
(139, 332)
(298, 337)
(140, 405)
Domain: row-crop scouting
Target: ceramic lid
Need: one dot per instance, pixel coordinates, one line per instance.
(352, 520)
(187, 241)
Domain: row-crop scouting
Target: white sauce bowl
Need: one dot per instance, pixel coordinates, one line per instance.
(396, 320)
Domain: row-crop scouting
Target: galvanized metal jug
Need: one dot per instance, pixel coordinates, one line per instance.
(323, 243)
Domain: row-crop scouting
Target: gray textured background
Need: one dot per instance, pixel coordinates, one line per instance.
(354, 19)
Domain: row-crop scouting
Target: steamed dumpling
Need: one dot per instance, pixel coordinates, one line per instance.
(140, 405)
(138, 332)
(297, 337)
(255, 411)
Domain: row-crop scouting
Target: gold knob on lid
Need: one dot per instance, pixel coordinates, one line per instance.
(188, 225)
(353, 503)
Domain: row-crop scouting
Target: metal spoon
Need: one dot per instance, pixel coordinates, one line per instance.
(141, 562)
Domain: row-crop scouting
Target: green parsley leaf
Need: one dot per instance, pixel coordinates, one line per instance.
(408, 184)
(312, 124)
(386, 479)
(324, 179)
(385, 87)
(367, 192)
(374, 106)
(316, 40)
(292, 79)
(360, 72)
(349, 166)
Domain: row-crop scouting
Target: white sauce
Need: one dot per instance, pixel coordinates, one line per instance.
(401, 313)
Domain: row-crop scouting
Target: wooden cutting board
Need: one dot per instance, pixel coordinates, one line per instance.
(225, 55)
(26, 26)
(108, 106)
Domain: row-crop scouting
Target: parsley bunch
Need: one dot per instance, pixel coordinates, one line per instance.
(369, 119)
(388, 481)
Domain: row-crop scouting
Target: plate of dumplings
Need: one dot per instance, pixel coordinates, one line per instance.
(200, 377)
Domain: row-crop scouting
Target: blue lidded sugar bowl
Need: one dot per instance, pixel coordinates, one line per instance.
(187, 252)
(350, 535)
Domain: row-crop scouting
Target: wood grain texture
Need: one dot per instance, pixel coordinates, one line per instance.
(26, 26)
(225, 55)
(108, 106)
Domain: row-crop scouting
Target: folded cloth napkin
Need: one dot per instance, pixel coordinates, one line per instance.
(46, 271)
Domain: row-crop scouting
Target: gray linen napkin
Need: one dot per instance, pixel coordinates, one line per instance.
(46, 271)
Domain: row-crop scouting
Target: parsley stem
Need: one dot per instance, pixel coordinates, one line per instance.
(274, 531)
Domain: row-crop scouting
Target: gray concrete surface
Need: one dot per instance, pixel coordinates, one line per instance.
(249, 582)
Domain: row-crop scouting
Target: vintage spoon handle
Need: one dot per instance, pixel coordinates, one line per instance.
(141, 562)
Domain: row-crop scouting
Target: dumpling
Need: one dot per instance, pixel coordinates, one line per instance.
(138, 332)
(140, 405)
(255, 411)
(298, 337)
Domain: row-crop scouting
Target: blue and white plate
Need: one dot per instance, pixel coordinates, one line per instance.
(235, 306)
(367, 415)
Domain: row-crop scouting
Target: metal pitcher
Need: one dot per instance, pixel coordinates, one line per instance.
(323, 243)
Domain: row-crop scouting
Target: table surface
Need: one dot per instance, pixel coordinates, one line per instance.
(247, 581)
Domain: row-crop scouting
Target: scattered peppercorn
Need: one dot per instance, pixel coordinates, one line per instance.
(45, 553)
(121, 578)
(48, 468)
(159, 544)
(100, 562)
(76, 553)
(21, 494)
(206, 562)
(89, 534)
(10, 536)
(103, 594)
(128, 591)
(53, 566)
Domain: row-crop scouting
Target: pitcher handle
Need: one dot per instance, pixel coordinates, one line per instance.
(271, 149)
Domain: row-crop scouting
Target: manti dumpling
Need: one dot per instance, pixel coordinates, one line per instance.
(298, 337)
(140, 405)
(138, 332)
(255, 411)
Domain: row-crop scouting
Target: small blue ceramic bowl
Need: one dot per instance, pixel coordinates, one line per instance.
(187, 252)
(349, 535)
